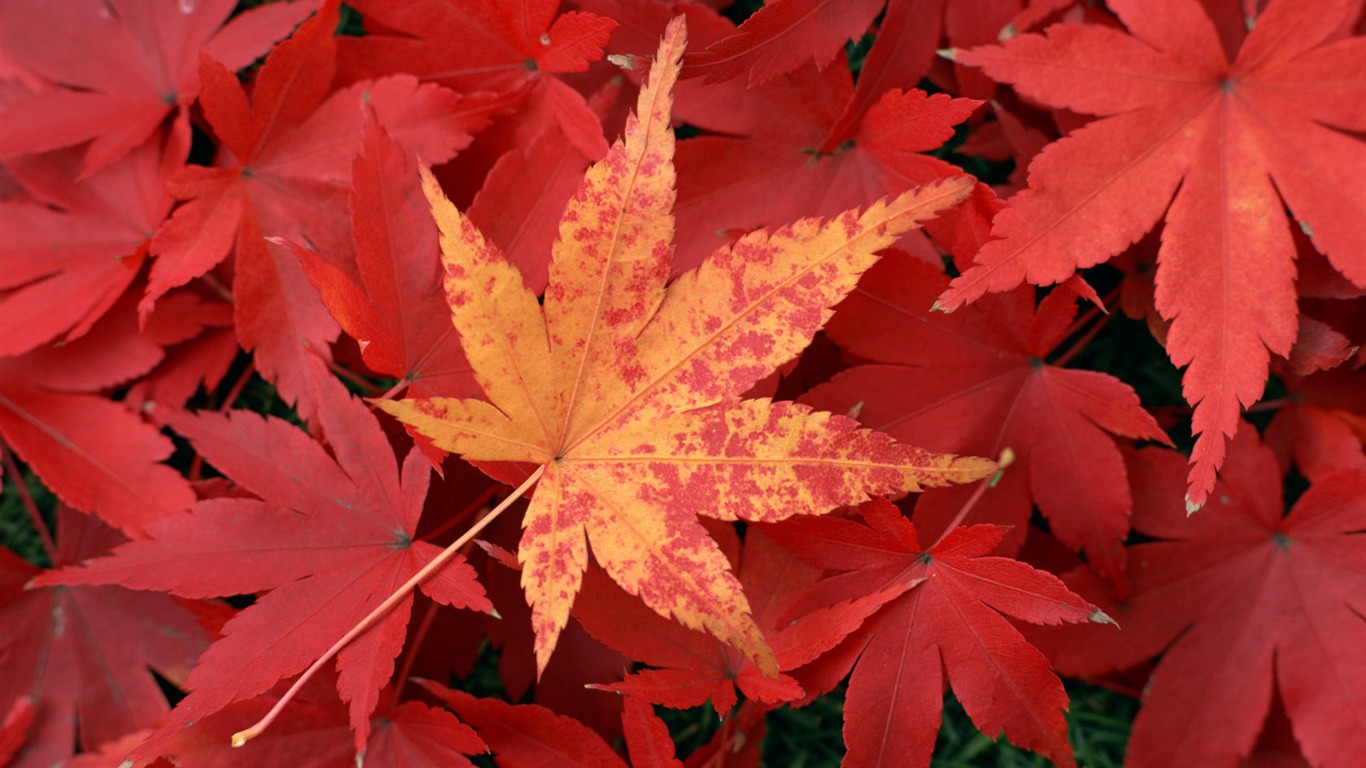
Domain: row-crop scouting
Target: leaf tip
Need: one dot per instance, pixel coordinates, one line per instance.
(1193, 506)
(767, 662)
(431, 188)
(626, 61)
(1007, 32)
(1006, 458)
(1101, 617)
(948, 53)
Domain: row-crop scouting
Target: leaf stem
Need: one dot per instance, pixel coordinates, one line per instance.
(1086, 338)
(459, 517)
(216, 286)
(1091, 311)
(394, 390)
(30, 506)
(419, 635)
(257, 728)
(1268, 405)
(196, 471)
(1006, 459)
(725, 738)
(1112, 686)
(237, 387)
(356, 379)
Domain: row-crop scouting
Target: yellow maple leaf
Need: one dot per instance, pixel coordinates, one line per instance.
(625, 388)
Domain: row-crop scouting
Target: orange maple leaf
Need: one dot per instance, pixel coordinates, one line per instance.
(626, 391)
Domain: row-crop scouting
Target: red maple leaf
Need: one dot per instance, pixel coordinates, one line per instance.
(1240, 600)
(72, 247)
(138, 62)
(911, 31)
(391, 309)
(201, 361)
(949, 622)
(81, 655)
(512, 48)
(1321, 428)
(786, 157)
(558, 740)
(692, 667)
(522, 219)
(284, 170)
(96, 454)
(329, 537)
(978, 382)
(311, 733)
(782, 36)
(1242, 140)
(504, 44)
(414, 735)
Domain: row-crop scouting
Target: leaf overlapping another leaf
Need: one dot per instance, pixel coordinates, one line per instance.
(329, 537)
(626, 389)
(1241, 601)
(1233, 142)
(951, 623)
(622, 382)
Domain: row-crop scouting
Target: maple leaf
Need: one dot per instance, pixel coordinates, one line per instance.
(286, 166)
(139, 62)
(523, 219)
(909, 33)
(976, 382)
(625, 392)
(560, 740)
(782, 36)
(389, 310)
(82, 655)
(94, 453)
(790, 159)
(415, 735)
(505, 41)
(330, 538)
(201, 361)
(1241, 140)
(72, 248)
(312, 733)
(949, 622)
(1239, 600)
(513, 48)
(1322, 427)
(691, 667)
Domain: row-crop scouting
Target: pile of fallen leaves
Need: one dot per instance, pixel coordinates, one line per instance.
(793, 403)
